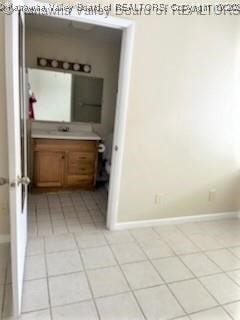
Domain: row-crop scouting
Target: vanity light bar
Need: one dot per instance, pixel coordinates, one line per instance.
(64, 65)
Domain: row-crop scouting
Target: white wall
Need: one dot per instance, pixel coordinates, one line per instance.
(53, 94)
(180, 133)
(4, 219)
(102, 56)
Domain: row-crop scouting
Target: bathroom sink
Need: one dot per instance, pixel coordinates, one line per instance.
(63, 132)
(75, 135)
(70, 133)
(85, 135)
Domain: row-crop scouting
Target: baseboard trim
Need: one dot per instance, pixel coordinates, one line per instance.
(176, 220)
(4, 238)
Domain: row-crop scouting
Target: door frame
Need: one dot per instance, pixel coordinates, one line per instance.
(128, 32)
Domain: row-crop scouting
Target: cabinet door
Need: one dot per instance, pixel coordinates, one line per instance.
(49, 169)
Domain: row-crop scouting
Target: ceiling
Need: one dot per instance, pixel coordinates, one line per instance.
(77, 29)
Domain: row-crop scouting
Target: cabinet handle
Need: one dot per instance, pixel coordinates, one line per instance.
(63, 157)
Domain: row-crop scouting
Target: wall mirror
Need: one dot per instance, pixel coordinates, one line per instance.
(66, 97)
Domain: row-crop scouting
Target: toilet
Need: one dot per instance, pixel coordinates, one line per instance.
(107, 155)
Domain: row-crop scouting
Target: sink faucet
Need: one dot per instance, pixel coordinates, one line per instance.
(63, 129)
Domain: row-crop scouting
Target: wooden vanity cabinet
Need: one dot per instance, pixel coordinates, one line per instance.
(65, 163)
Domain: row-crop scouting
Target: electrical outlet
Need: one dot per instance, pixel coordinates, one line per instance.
(211, 195)
(158, 198)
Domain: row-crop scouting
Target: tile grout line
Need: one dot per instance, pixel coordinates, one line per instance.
(221, 305)
(65, 218)
(46, 268)
(94, 222)
(131, 290)
(4, 286)
(48, 287)
(164, 283)
(88, 281)
(48, 210)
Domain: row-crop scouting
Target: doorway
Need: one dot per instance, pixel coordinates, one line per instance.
(97, 95)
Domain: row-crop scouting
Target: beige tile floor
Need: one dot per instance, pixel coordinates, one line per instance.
(76, 269)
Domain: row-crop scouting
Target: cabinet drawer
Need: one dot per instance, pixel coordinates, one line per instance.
(77, 157)
(81, 163)
(81, 168)
(80, 180)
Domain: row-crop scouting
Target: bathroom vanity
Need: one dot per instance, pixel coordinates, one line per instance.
(64, 159)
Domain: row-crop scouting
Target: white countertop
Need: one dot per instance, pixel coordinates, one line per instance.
(71, 135)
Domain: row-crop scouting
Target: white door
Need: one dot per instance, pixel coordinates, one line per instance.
(17, 145)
